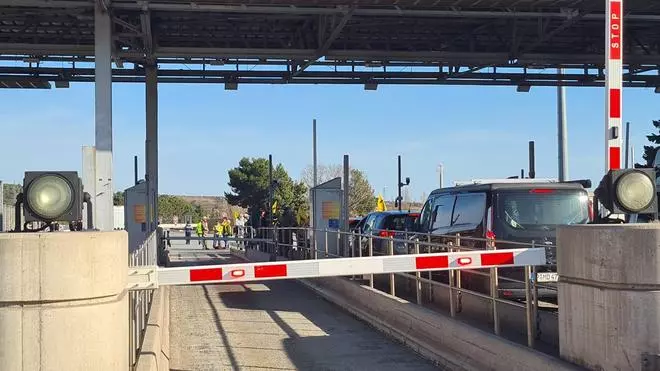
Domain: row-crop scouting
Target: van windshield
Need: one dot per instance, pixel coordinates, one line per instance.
(532, 209)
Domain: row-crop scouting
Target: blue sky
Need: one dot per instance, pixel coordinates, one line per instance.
(476, 132)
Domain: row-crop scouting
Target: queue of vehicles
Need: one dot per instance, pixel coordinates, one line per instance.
(484, 213)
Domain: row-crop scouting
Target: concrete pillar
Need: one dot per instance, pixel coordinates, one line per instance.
(103, 110)
(151, 149)
(609, 296)
(88, 176)
(63, 301)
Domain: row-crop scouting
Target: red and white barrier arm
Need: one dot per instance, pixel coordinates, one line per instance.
(613, 84)
(151, 277)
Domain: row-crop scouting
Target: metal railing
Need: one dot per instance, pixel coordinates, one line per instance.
(305, 243)
(139, 302)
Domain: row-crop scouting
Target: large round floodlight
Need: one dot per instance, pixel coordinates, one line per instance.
(635, 191)
(50, 196)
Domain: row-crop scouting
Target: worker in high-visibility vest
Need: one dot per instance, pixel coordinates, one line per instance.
(202, 228)
(225, 230)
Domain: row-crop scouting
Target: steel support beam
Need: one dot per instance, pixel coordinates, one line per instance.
(104, 215)
(293, 10)
(145, 21)
(151, 150)
(562, 132)
(357, 56)
(327, 43)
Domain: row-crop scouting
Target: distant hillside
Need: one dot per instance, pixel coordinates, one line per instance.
(212, 206)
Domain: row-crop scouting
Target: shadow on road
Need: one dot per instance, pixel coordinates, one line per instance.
(345, 343)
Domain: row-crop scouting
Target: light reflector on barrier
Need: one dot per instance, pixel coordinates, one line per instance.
(497, 258)
(431, 262)
(464, 261)
(270, 271)
(210, 274)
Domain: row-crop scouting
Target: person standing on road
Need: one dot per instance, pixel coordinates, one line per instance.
(188, 231)
(226, 231)
(217, 233)
(202, 228)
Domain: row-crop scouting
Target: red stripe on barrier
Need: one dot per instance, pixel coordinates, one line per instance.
(267, 271)
(615, 103)
(208, 274)
(615, 30)
(615, 158)
(498, 258)
(430, 262)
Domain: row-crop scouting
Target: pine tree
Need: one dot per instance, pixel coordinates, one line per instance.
(649, 151)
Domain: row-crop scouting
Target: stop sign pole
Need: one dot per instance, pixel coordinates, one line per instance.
(613, 83)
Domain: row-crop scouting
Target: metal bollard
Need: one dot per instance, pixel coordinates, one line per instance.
(528, 307)
(371, 253)
(391, 252)
(418, 275)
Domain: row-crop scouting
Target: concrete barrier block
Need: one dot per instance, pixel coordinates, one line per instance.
(444, 340)
(63, 301)
(155, 351)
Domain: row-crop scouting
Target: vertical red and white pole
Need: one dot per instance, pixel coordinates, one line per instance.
(614, 83)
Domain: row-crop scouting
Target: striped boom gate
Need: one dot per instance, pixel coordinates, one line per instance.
(152, 277)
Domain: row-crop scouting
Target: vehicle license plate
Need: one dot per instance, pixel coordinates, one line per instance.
(547, 277)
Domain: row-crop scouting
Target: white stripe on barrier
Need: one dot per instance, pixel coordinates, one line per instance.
(152, 277)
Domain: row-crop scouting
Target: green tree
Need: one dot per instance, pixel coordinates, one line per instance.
(10, 191)
(249, 188)
(169, 206)
(118, 199)
(649, 151)
(361, 197)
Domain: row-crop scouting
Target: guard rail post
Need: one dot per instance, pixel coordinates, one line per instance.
(391, 252)
(459, 285)
(326, 243)
(528, 307)
(428, 240)
(418, 275)
(371, 253)
(452, 301)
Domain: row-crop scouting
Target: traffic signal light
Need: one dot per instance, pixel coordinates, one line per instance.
(50, 196)
(628, 191)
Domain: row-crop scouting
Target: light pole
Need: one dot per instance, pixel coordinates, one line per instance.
(400, 184)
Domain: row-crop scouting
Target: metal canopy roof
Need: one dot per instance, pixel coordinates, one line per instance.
(490, 42)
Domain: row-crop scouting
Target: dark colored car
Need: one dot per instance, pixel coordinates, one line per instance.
(385, 224)
(527, 212)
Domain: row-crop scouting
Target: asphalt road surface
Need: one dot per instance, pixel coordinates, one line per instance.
(276, 325)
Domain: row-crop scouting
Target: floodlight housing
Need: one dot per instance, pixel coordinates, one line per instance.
(629, 191)
(50, 196)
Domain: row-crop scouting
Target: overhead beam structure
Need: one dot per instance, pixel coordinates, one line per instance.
(490, 42)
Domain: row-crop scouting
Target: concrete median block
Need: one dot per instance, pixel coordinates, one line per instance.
(447, 342)
(63, 301)
(155, 352)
